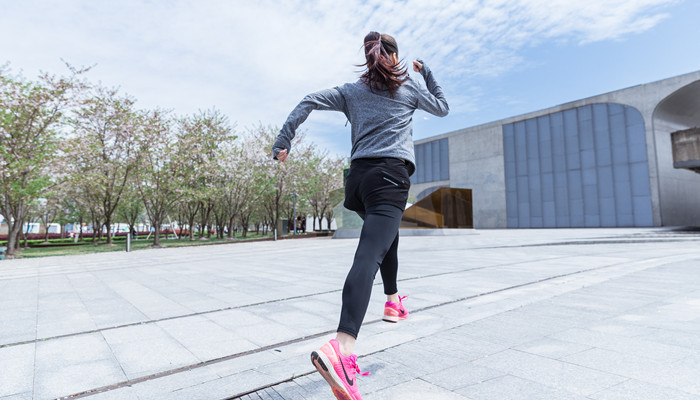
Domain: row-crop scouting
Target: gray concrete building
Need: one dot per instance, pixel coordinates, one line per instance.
(603, 161)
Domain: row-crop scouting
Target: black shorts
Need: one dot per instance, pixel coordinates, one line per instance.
(375, 181)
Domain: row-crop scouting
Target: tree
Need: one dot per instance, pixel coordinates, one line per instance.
(314, 192)
(48, 208)
(203, 139)
(220, 209)
(302, 170)
(32, 217)
(130, 208)
(327, 180)
(160, 176)
(277, 179)
(332, 186)
(242, 196)
(102, 150)
(189, 209)
(30, 115)
(95, 217)
(74, 209)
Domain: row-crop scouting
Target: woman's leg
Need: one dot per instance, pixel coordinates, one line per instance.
(378, 234)
(389, 270)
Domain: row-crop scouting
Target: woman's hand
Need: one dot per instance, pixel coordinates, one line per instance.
(282, 155)
(417, 66)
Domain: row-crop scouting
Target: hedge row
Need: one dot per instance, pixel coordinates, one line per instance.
(42, 236)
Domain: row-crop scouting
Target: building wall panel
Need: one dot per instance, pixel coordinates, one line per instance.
(581, 167)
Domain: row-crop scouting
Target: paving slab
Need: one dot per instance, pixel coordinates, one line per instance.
(634, 389)
(16, 364)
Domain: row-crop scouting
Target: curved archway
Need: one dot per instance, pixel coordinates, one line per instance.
(678, 189)
(428, 191)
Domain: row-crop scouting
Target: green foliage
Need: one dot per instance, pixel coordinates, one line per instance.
(102, 151)
(76, 152)
(29, 133)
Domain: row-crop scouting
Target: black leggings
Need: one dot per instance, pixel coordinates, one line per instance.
(375, 189)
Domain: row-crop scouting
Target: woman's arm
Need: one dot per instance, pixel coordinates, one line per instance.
(434, 100)
(329, 99)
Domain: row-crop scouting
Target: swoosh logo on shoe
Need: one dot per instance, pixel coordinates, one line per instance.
(403, 312)
(347, 378)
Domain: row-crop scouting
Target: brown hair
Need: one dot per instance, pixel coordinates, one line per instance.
(382, 73)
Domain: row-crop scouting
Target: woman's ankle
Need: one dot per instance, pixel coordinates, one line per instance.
(394, 298)
(346, 343)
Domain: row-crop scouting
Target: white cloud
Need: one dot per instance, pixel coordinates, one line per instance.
(255, 60)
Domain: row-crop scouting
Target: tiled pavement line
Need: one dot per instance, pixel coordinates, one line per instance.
(610, 241)
(153, 321)
(616, 269)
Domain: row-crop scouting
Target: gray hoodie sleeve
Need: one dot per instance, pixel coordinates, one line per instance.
(433, 102)
(329, 99)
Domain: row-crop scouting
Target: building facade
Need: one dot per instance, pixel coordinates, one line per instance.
(604, 161)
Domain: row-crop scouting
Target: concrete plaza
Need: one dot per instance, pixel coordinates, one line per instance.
(498, 314)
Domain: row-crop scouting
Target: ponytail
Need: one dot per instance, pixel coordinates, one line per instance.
(382, 73)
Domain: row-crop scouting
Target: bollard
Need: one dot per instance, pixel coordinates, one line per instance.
(128, 242)
(2, 252)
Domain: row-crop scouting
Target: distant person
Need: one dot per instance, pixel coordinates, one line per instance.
(380, 108)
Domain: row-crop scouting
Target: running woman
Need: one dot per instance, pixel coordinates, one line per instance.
(380, 108)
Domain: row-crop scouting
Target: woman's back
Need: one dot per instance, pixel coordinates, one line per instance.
(381, 122)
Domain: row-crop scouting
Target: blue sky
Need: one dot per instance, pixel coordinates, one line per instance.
(255, 60)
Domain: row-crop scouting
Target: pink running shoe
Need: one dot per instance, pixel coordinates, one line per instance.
(394, 312)
(338, 370)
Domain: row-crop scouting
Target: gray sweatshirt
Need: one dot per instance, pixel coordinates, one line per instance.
(381, 126)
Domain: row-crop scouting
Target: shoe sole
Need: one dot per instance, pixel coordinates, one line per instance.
(393, 318)
(390, 318)
(325, 368)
